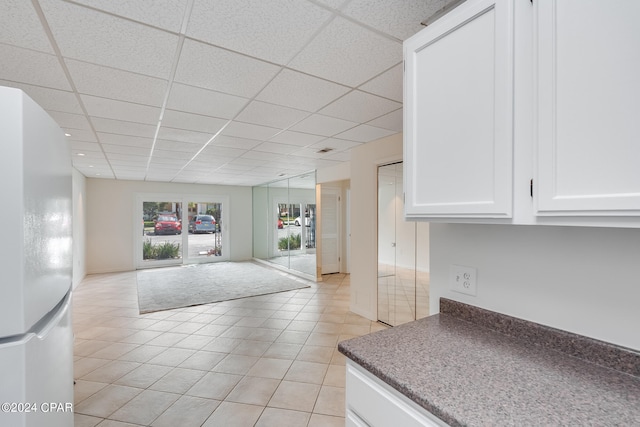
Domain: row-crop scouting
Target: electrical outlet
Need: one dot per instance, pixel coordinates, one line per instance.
(463, 279)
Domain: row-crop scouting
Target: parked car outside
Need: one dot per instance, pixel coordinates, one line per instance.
(202, 224)
(280, 224)
(167, 224)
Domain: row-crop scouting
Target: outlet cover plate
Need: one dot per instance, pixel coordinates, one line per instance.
(463, 279)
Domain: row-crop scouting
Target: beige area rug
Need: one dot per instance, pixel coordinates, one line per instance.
(184, 286)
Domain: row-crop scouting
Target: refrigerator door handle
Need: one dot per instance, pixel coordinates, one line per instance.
(44, 326)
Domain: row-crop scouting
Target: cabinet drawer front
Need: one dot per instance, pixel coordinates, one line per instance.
(588, 132)
(459, 114)
(378, 405)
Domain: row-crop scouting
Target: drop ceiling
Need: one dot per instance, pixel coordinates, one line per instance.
(235, 92)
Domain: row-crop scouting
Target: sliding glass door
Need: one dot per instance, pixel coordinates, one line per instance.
(205, 231)
(180, 229)
(161, 232)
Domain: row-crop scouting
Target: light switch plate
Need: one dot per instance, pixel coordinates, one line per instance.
(463, 279)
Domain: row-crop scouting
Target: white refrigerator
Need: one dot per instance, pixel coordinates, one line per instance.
(36, 339)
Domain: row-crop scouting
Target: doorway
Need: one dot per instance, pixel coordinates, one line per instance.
(179, 229)
(403, 254)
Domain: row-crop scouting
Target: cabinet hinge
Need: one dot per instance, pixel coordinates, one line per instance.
(531, 188)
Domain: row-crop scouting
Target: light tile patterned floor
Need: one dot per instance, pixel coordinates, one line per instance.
(262, 361)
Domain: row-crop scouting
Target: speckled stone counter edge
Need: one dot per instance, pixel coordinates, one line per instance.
(601, 353)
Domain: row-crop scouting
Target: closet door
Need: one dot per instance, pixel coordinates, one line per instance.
(330, 242)
(396, 251)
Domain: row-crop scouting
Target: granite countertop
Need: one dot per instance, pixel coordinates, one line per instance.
(469, 374)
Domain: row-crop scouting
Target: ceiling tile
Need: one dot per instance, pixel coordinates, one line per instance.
(234, 142)
(233, 167)
(307, 152)
(123, 128)
(336, 144)
(20, 26)
(120, 110)
(221, 70)
(49, 99)
(81, 135)
(182, 135)
(182, 120)
(25, 66)
(124, 149)
(388, 84)
(184, 147)
(348, 53)
(81, 146)
(165, 14)
(108, 40)
(128, 158)
(360, 107)
(86, 156)
(296, 138)
(249, 131)
(272, 30)
(262, 157)
(134, 141)
(203, 101)
(391, 121)
(365, 133)
(182, 155)
(323, 125)
(272, 115)
(301, 91)
(334, 4)
(111, 83)
(132, 161)
(399, 18)
(70, 121)
(272, 147)
(212, 152)
(167, 163)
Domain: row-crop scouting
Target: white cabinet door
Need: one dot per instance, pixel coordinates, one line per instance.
(588, 107)
(371, 402)
(458, 128)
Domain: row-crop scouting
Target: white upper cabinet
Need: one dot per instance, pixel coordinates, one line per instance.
(458, 115)
(499, 93)
(588, 107)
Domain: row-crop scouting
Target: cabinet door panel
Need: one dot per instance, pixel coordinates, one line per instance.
(459, 114)
(588, 107)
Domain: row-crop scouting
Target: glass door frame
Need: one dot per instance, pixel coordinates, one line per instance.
(184, 199)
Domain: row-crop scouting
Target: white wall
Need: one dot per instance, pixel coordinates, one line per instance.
(582, 280)
(79, 200)
(365, 160)
(110, 222)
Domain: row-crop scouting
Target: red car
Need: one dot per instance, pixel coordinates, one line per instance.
(167, 224)
(280, 223)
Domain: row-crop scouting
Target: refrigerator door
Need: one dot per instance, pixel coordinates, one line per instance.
(36, 250)
(37, 373)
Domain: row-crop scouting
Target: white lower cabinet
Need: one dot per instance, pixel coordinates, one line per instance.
(370, 402)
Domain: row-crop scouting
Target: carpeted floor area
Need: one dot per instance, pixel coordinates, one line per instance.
(195, 284)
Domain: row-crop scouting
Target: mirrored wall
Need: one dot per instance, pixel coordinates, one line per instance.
(403, 254)
(284, 223)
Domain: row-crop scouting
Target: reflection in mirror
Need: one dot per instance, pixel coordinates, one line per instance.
(284, 223)
(403, 254)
